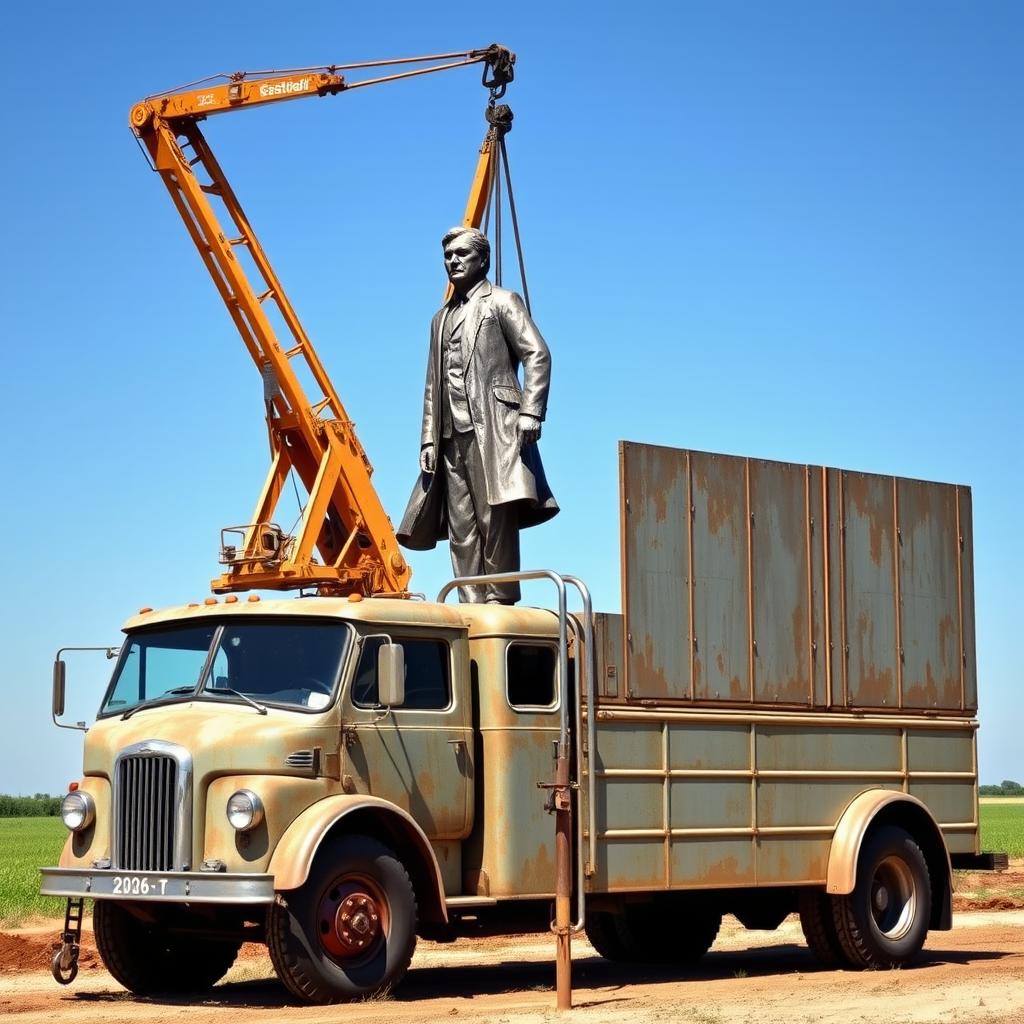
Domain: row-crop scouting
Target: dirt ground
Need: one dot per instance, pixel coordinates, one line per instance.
(974, 973)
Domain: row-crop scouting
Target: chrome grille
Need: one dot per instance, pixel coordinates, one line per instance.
(147, 812)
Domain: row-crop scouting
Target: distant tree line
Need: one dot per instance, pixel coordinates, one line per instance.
(39, 806)
(1005, 788)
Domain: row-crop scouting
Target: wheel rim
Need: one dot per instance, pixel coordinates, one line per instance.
(353, 919)
(893, 898)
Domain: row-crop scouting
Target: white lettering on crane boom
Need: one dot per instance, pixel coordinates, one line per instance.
(282, 88)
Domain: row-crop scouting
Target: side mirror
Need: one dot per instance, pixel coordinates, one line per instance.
(58, 687)
(391, 675)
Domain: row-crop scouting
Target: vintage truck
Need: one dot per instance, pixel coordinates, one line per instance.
(781, 720)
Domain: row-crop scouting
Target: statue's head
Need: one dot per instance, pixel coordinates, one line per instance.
(467, 257)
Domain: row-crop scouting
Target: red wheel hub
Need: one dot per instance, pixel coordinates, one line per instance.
(352, 918)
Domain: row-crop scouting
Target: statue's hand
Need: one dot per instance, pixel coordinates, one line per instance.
(428, 461)
(529, 429)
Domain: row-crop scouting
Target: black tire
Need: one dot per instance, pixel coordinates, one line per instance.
(653, 933)
(884, 921)
(819, 928)
(147, 960)
(602, 930)
(319, 959)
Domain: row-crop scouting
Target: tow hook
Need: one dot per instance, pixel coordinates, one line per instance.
(64, 965)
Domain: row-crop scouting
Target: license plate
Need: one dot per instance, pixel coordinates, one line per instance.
(138, 885)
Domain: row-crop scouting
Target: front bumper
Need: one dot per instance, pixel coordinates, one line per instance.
(156, 887)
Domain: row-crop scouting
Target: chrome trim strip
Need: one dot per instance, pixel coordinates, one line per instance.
(182, 886)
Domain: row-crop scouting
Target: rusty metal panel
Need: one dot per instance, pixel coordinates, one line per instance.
(747, 581)
(638, 746)
(940, 751)
(869, 592)
(832, 514)
(709, 803)
(709, 745)
(950, 802)
(789, 803)
(966, 529)
(629, 803)
(825, 748)
(721, 639)
(792, 859)
(655, 551)
(817, 546)
(781, 598)
(709, 863)
(630, 864)
(609, 633)
(929, 556)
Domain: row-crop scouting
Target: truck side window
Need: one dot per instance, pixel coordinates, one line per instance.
(531, 676)
(427, 674)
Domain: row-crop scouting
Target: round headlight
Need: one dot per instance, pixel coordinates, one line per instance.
(77, 811)
(245, 810)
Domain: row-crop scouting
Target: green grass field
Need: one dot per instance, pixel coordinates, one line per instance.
(1002, 826)
(29, 843)
(26, 844)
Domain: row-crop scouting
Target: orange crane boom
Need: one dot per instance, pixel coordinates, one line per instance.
(345, 542)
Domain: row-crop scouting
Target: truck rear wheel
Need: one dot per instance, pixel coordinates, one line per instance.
(349, 932)
(818, 927)
(147, 959)
(884, 921)
(653, 933)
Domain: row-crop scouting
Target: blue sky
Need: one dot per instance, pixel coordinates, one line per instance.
(788, 230)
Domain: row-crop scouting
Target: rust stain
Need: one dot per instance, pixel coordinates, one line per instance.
(736, 688)
(722, 493)
(645, 679)
(873, 687)
(724, 871)
(425, 783)
(720, 662)
(877, 513)
(477, 883)
(537, 874)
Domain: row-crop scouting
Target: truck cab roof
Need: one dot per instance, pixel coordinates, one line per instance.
(479, 620)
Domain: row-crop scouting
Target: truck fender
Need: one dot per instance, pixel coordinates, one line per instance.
(366, 815)
(886, 806)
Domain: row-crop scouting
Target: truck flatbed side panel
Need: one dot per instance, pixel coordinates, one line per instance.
(705, 798)
(747, 581)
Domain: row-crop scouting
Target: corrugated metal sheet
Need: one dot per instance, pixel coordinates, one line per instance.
(754, 581)
(721, 636)
(656, 544)
(869, 590)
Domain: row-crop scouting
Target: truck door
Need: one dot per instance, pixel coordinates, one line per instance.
(419, 755)
(512, 851)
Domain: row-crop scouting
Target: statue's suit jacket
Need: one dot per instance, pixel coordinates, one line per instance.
(498, 337)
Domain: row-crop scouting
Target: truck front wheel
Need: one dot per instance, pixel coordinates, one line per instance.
(884, 921)
(350, 931)
(146, 958)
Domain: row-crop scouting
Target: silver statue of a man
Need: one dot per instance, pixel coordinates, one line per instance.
(482, 479)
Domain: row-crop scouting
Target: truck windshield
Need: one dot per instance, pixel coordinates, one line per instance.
(294, 664)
